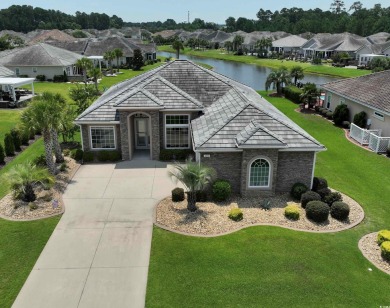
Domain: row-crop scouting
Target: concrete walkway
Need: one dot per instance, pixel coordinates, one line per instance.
(98, 255)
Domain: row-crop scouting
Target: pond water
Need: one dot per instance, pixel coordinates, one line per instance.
(251, 75)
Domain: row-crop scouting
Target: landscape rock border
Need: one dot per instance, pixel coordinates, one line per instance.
(372, 252)
(177, 226)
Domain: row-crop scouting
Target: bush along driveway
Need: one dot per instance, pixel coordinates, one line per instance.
(271, 266)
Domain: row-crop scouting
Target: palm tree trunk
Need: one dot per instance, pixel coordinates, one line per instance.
(177, 54)
(117, 64)
(48, 152)
(29, 194)
(57, 147)
(111, 67)
(85, 75)
(191, 201)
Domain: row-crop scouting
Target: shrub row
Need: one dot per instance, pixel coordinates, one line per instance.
(90, 156)
(170, 155)
(293, 93)
(13, 140)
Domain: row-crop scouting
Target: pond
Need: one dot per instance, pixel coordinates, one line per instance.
(251, 75)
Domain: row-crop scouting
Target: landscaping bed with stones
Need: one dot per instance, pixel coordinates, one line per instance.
(48, 203)
(372, 252)
(211, 219)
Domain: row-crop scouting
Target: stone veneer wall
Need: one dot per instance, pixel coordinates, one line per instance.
(87, 141)
(155, 133)
(247, 156)
(294, 167)
(227, 165)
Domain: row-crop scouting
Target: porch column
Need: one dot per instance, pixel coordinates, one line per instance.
(13, 94)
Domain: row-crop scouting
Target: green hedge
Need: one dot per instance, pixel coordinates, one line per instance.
(169, 155)
(293, 93)
(221, 190)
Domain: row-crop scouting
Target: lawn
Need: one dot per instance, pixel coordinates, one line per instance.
(271, 266)
(22, 242)
(273, 63)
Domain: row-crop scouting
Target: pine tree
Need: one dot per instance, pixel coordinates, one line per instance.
(138, 60)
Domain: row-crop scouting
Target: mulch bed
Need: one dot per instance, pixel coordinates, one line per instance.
(211, 219)
(372, 252)
(19, 210)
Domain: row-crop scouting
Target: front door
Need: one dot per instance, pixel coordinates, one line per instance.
(141, 131)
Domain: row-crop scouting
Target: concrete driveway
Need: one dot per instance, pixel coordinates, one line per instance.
(98, 255)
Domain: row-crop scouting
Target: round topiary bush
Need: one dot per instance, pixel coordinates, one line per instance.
(309, 196)
(324, 192)
(317, 211)
(341, 113)
(291, 211)
(385, 249)
(77, 154)
(332, 197)
(339, 210)
(346, 124)
(236, 214)
(297, 190)
(383, 236)
(221, 190)
(319, 183)
(177, 194)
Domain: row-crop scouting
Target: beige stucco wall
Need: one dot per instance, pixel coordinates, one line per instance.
(355, 108)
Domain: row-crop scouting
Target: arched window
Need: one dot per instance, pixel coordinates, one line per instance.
(259, 173)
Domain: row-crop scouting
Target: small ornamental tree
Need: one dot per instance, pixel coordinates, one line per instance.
(9, 145)
(341, 114)
(360, 119)
(138, 60)
(16, 137)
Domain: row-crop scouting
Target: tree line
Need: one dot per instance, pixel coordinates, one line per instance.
(25, 18)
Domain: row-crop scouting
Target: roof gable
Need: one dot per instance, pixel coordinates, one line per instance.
(139, 98)
(255, 134)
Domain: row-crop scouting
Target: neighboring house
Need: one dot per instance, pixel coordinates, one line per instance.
(47, 35)
(181, 105)
(5, 72)
(370, 93)
(40, 59)
(290, 45)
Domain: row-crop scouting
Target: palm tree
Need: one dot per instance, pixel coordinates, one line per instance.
(44, 114)
(296, 72)
(237, 42)
(195, 177)
(310, 93)
(109, 56)
(84, 64)
(118, 54)
(228, 46)
(22, 179)
(278, 78)
(263, 44)
(178, 45)
(95, 74)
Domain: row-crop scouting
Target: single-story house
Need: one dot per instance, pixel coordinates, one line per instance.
(369, 93)
(291, 44)
(229, 126)
(40, 59)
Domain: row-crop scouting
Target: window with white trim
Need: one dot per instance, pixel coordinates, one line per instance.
(259, 173)
(379, 116)
(102, 137)
(329, 99)
(177, 134)
(34, 70)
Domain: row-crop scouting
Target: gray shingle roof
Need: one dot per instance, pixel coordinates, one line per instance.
(336, 42)
(372, 90)
(234, 114)
(289, 41)
(40, 54)
(5, 72)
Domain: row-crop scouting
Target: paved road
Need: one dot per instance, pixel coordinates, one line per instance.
(98, 255)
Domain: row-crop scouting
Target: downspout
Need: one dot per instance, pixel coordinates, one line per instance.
(312, 172)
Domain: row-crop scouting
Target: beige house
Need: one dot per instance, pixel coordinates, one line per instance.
(370, 93)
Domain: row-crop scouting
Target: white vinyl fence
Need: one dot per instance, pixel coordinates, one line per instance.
(372, 138)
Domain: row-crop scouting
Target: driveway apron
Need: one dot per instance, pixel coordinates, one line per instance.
(98, 255)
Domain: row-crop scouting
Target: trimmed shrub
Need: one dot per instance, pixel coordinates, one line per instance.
(341, 114)
(2, 154)
(332, 197)
(360, 119)
(9, 147)
(59, 78)
(114, 155)
(15, 133)
(293, 93)
(383, 236)
(309, 196)
(346, 124)
(317, 211)
(169, 155)
(178, 194)
(103, 156)
(385, 250)
(221, 190)
(63, 166)
(324, 112)
(66, 152)
(319, 183)
(33, 206)
(40, 160)
(88, 157)
(236, 214)
(77, 154)
(24, 136)
(291, 211)
(40, 77)
(324, 192)
(339, 210)
(297, 190)
(329, 115)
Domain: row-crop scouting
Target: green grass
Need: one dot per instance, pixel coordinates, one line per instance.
(275, 267)
(272, 63)
(22, 242)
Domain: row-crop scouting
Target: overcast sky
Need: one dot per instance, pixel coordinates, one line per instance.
(153, 10)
